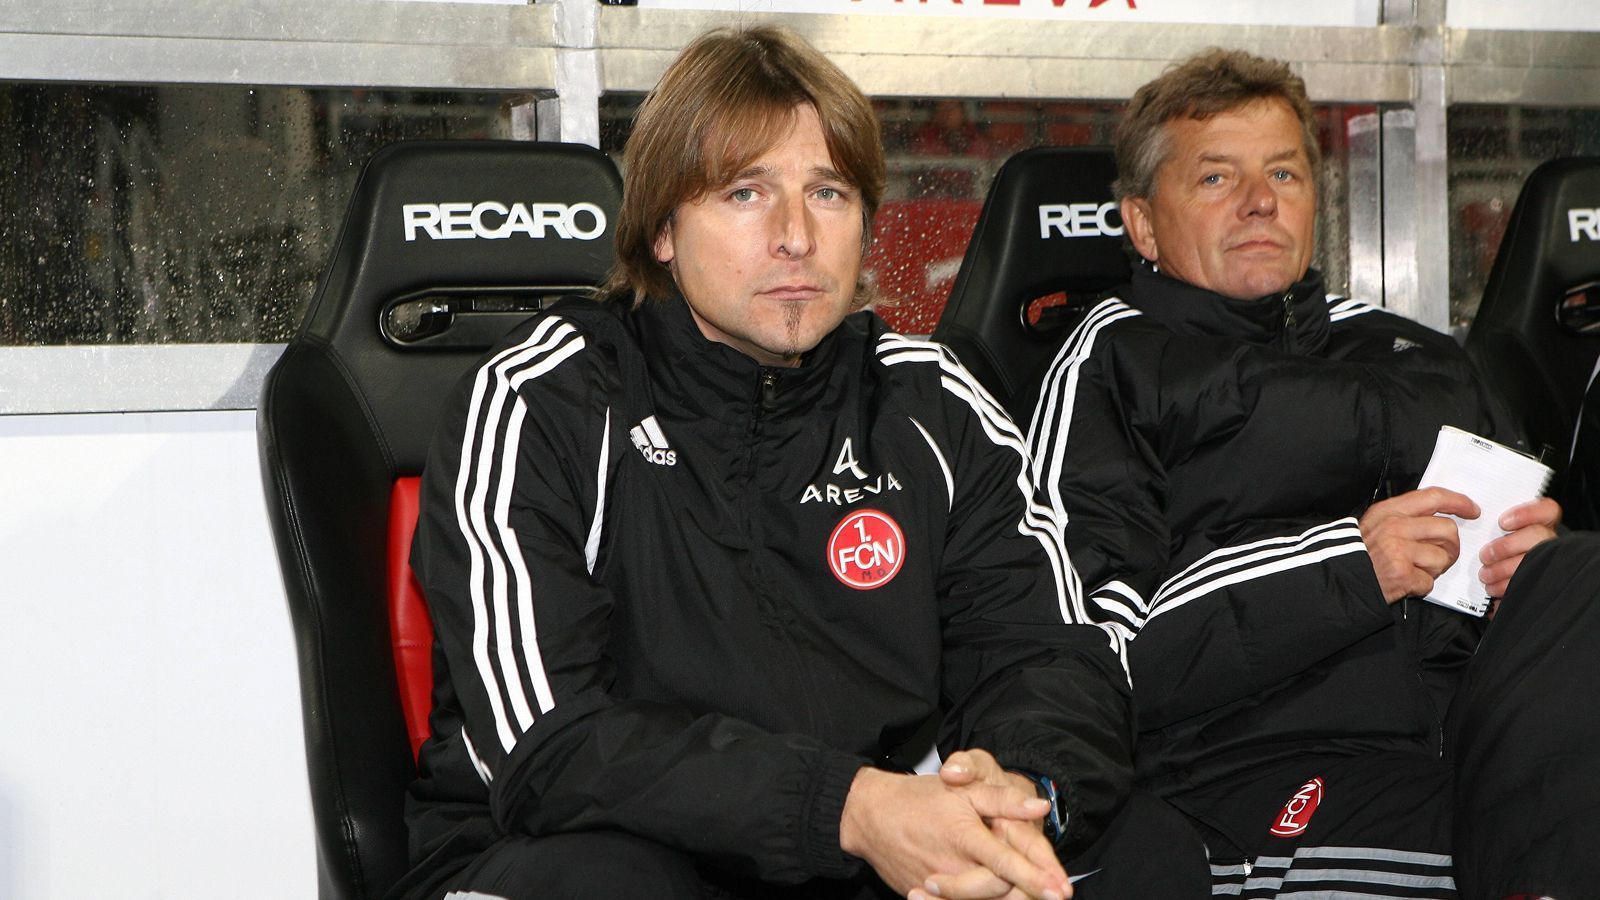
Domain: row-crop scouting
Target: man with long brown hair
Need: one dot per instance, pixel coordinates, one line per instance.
(712, 561)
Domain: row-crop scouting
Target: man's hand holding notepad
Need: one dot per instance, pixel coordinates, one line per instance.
(1497, 478)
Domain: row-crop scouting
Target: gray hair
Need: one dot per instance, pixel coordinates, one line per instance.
(1210, 82)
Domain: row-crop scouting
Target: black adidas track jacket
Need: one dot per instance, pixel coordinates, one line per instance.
(1212, 458)
(682, 595)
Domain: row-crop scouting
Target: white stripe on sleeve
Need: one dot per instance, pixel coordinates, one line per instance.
(1038, 520)
(494, 550)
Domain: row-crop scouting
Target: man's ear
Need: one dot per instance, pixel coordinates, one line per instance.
(665, 251)
(1141, 232)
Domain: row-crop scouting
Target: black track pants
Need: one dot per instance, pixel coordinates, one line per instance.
(1148, 851)
(1507, 810)
(1349, 826)
(1524, 733)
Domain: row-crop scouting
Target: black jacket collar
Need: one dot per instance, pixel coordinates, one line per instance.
(1295, 320)
(712, 378)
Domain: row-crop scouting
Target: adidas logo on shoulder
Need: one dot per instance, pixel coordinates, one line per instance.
(652, 443)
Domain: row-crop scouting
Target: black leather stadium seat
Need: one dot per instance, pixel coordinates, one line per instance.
(1528, 337)
(446, 245)
(1049, 229)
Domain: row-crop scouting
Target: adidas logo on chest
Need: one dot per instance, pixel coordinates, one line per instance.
(652, 444)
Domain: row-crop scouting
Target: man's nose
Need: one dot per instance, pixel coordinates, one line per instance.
(793, 236)
(1260, 198)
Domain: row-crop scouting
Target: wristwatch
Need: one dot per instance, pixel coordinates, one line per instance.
(1055, 821)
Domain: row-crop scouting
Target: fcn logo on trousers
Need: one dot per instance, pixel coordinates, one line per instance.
(1292, 820)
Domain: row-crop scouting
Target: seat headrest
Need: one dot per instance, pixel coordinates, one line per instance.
(446, 246)
(1049, 226)
(467, 214)
(1554, 233)
(1551, 248)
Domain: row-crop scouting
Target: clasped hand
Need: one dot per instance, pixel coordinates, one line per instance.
(972, 831)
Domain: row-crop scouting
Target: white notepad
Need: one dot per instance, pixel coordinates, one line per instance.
(1497, 478)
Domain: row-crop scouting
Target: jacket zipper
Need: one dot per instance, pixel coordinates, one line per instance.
(1289, 341)
(767, 389)
(1383, 483)
(1411, 631)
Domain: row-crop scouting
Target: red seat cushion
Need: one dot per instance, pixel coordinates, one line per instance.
(410, 628)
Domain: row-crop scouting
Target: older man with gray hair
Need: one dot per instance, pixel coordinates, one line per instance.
(1237, 452)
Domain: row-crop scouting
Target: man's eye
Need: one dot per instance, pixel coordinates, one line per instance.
(828, 194)
(743, 195)
(1213, 178)
(1283, 175)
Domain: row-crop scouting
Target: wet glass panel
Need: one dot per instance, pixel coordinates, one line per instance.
(944, 153)
(1490, 151)
(179, 214)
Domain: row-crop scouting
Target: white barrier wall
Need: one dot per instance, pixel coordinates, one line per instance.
(1529, 15)
(152, 744)
(1212, 12)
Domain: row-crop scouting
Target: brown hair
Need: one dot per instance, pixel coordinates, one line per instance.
(1210, 82)
(728, 98)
